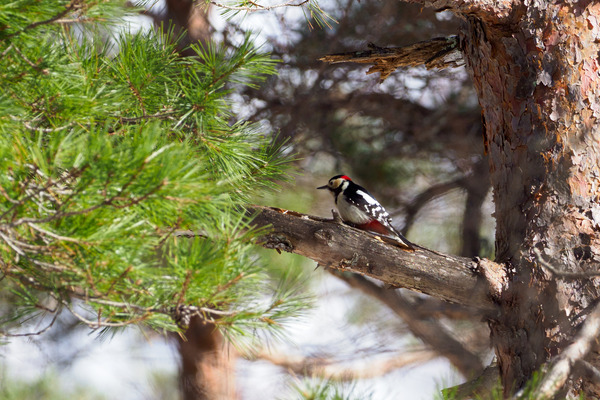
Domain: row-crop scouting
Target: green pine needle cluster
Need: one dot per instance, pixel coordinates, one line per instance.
(110, 145)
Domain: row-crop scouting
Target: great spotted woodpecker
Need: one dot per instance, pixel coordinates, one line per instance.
(358, 208)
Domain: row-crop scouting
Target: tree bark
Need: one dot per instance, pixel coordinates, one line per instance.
(207, 363)
(536, 74)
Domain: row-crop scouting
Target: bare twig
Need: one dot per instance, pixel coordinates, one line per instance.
(43, 330)
(158, 115)
(9, 48)
(54, 235)
(46, 130)
(99, 323)
(411, 210)
(259, 7)
(70, 7)
(331, 369)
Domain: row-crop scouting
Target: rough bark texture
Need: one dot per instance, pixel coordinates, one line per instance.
(536, 73)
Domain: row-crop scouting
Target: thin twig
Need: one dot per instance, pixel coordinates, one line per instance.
(2, 334)
(9, 48)
(46, 130)
(98, 324)
(28, 61)
(70, 7)
(54, 235)
(260, 7)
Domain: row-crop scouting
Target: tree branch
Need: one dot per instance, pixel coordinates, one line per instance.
(342, 247)
(440, 53)
(411, 210)
(327, 368)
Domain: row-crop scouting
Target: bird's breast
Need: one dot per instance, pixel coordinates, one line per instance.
(351, 213)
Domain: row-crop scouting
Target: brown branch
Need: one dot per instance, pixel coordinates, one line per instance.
(411, 210)
(477, 186)
(327, 368)
(440, 53)
(341, 247)
(431, 332)
(429, 307)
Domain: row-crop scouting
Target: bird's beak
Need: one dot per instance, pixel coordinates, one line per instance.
(322, 187)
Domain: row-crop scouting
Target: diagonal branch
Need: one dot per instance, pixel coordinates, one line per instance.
(411, 210)
(327, 368)
(341, 247)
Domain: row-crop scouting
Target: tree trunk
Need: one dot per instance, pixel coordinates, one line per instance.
(535, 69)
(207, 363)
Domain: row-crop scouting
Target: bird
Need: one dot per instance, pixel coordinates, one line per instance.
(360, 209)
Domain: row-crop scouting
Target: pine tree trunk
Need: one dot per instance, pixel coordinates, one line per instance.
(536, 73)
(207, 363)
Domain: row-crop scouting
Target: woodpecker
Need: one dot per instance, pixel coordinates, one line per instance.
(359, 208)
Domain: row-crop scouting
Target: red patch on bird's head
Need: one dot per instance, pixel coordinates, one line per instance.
(345, 177)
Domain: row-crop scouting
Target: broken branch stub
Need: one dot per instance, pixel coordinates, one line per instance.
(439, 53)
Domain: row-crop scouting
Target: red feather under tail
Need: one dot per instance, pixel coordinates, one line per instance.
(378, 227)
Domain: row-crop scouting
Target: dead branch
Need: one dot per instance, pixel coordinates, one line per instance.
(345, 248)
(328, 368)
(422, 199)
(430, 307)
(439, 53)
(39, 332)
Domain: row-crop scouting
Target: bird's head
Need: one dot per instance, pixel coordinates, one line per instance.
(337, 184)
